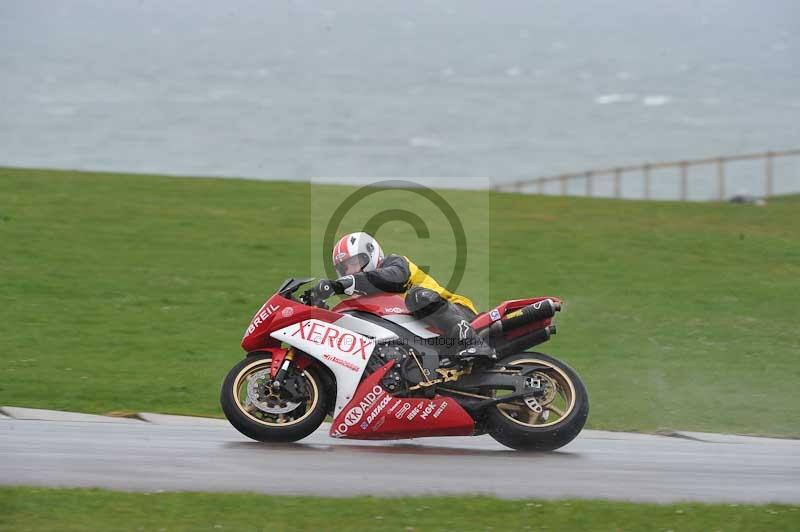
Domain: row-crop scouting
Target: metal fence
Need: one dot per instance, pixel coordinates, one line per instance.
(644, 173)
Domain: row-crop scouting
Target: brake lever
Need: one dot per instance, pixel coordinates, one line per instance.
(310, 298)
(304, 297)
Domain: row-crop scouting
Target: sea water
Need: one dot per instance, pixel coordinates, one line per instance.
(447, 90)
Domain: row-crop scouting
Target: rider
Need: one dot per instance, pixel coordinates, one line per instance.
(363, 269)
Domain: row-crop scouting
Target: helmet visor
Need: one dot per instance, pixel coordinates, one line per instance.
(352, 265)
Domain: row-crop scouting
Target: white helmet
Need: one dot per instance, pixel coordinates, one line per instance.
(356, 252)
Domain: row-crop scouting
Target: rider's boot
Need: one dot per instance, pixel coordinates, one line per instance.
(470, 345)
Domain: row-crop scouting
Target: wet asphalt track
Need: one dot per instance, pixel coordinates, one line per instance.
(173, 453)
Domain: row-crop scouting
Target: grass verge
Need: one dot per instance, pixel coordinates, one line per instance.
(124, 292)
(29, 509)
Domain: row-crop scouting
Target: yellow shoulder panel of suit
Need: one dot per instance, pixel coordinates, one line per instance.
(419, 278)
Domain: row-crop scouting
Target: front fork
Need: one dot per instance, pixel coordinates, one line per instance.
(285, 364)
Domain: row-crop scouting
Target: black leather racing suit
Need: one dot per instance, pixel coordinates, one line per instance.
(424, 297)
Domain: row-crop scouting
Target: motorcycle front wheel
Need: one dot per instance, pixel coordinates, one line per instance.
(260, 410)
(550, 421)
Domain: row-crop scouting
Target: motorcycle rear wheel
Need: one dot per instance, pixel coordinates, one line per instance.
(265, 413)
(562, 411)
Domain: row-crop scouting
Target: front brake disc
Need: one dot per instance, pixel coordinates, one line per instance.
(261, 395)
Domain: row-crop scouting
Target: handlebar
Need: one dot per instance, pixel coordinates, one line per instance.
(312, 298)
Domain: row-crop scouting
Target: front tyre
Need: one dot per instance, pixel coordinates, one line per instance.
(265, 412)
(551, 421)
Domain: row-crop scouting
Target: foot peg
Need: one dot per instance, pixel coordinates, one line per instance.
(474, 352)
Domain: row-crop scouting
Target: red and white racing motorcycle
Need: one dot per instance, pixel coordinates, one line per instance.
(382, 374)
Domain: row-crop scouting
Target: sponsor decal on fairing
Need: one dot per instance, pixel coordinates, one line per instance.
(334, 337)
(379, 424)
(336, 360)
(261, 316)
(354, 415)
(394, 406)
(415, 411)
(378, 409)
(402, 411)
(427, 410)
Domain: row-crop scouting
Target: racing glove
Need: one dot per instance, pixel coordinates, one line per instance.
(325, 288)
(345, 285)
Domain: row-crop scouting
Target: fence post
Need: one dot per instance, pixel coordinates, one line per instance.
(617, 172)
(684, 181)
(769, 173)
(721, 178)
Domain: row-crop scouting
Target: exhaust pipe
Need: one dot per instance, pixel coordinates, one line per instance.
(541, 310)
(526, 341)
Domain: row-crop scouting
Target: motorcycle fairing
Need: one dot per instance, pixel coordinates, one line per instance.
(380, 304)
(343, 351)
(374, 414)
(414, 325)
(391, 307)
(276, 313)
(367, 328)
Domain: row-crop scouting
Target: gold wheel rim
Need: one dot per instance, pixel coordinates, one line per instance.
(565, 390)
(258, 365)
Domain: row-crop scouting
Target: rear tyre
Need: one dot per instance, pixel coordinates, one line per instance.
(264, 412)
(562, 411)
